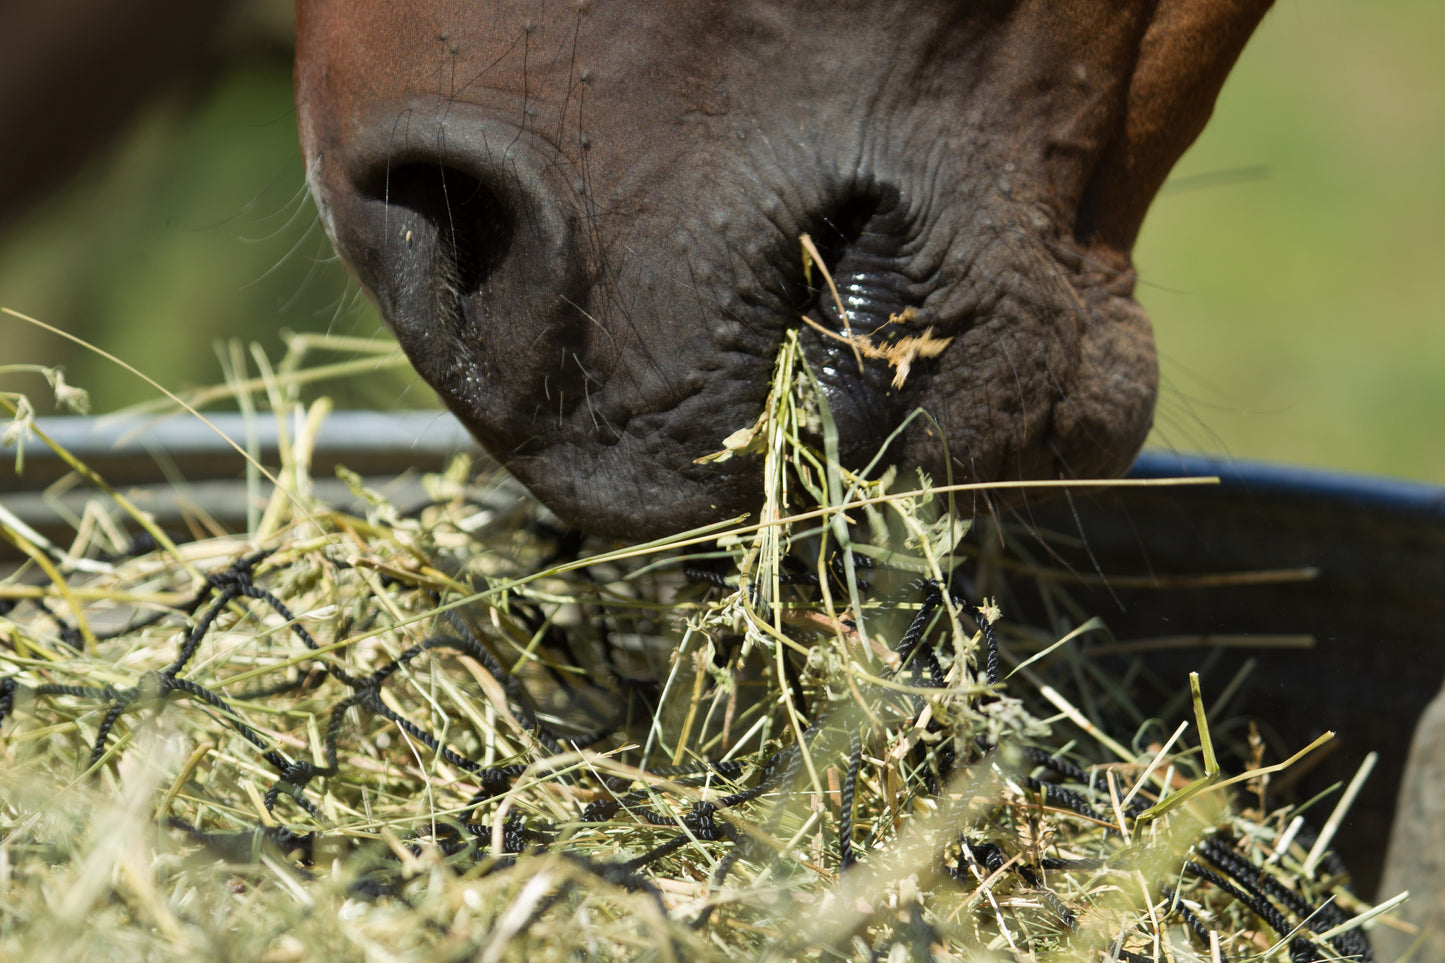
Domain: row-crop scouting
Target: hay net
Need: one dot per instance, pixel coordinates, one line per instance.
(453, 729)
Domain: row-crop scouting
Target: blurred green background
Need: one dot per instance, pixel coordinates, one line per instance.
(1292, 266)
(1300, 316)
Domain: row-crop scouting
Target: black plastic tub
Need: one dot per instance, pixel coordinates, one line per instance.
(179, 468)
(1374, 604)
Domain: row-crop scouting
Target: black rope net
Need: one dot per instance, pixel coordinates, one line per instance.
(458, 731)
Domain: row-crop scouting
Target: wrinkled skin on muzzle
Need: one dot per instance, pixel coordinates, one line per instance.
(582, 222)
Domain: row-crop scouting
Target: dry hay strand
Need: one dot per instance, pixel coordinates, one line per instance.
(452, 730)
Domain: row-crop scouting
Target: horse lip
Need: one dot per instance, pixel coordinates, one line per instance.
(861, 401)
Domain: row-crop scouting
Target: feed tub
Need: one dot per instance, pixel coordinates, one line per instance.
(1373, 602)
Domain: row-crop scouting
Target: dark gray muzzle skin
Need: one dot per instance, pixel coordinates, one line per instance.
(582, 222)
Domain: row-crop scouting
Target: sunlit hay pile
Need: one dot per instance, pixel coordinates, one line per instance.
(451, 731)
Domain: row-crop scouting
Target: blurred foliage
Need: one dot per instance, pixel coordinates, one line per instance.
(196, 229)
(1299, 313)
(1292, 265)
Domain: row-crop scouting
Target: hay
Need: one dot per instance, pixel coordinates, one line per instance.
(451, 730)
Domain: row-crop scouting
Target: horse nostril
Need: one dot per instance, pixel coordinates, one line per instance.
(463, 231)
(470, 225)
